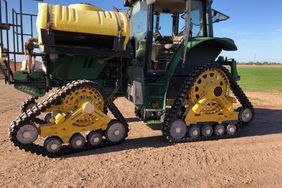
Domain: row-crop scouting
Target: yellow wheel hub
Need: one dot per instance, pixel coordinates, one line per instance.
(80, 111)
(77, 98)
(211, 80)
(209, 99)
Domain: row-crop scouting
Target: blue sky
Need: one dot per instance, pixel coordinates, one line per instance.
(255, 25)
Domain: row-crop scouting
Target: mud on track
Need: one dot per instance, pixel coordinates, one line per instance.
(147, 160)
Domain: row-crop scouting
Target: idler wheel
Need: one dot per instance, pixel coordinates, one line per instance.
(115, 132)
(246, 115)
(27, 134)
(178, 129)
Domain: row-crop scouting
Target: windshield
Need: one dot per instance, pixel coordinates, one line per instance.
(164, 24)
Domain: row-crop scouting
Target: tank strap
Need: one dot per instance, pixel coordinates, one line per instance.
(116, 11)
(49, 12)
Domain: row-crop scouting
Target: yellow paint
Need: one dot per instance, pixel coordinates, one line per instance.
(206, 106)
(66, 127)
(81, 19)
(85, 7)
(70, 117)
(60, 118)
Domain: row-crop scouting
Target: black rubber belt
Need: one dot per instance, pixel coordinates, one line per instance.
(172, 114)
(32, 114)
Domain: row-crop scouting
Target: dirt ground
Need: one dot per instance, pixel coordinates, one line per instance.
(254, 159)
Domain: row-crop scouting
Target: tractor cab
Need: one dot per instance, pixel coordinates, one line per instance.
(158, 27)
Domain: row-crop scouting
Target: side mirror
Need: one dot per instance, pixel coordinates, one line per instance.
(218, 16)
(126, 3)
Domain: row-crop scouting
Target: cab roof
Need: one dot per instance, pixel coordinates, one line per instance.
(172, 6)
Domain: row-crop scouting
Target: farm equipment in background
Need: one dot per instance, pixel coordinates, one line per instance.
(173, 75)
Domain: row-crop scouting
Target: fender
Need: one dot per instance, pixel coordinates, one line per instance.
(200, 50)
(226, 44)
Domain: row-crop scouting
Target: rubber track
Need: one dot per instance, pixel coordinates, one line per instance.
(183, 93)
(28, 102)
(31, 114)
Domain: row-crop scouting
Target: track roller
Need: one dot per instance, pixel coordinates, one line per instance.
(207, 130)
(219, 130)
(194, 132)
(77, 141)
(231, 129)
(53, 144)
(94, 138)
(178, 129)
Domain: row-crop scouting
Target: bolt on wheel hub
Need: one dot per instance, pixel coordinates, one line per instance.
(116, 132)
(96, 140)
(195, 133)
(178, 130)
(54, 146)
(78, 142)
(27, 134)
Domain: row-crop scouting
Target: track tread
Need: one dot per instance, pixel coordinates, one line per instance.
(31, 114)
(172, 115)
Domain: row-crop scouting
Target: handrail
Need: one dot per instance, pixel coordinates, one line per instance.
(12, 34)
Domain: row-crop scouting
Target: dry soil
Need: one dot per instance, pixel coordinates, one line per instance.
(254, 159)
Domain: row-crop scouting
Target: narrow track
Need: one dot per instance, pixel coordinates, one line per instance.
(28, 104)
(30, 115)
(173, 114)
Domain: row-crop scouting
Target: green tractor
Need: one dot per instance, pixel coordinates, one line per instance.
(161, 55)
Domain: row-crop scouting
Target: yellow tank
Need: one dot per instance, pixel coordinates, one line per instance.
(81, 19)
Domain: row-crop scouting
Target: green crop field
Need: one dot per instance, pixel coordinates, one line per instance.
(261, 78)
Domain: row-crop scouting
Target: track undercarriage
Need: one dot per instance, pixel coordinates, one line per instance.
(75, 116)
(73, 113)
(209, 112)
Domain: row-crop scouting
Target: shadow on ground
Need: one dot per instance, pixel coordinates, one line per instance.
(266, 122)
